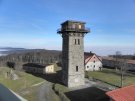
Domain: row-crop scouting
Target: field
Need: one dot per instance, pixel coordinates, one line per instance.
(112, 77)
(23, 86)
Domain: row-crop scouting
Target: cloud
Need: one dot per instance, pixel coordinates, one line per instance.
(110, 50)
(36, 26)
(130, 30)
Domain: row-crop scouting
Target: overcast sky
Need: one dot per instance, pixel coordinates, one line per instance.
(34, 23)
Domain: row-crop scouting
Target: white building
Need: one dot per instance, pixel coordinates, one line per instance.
(92, 62)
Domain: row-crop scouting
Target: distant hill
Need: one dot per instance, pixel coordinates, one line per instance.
(9, 50)
(21, 56)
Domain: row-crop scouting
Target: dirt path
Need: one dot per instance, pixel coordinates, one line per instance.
(45, 93)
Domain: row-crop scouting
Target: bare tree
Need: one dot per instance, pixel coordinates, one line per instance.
(123, 67)
(120, 63)
(116, 59)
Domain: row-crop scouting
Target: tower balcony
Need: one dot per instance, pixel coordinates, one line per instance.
(84, 30)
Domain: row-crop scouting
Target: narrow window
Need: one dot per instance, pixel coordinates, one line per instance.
(87, 66)
(76, 68)
(75, 42)
(94, 61)
(73, 26)
(80, 26)
(78, 41)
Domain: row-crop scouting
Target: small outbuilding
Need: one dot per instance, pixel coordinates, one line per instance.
(39, 68)
(92, 62)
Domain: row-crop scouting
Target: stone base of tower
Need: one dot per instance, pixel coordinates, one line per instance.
(74, 80)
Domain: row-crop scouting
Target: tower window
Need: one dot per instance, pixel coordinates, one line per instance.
(80, 26)
(76, 68)
(78, 41)
(73, 26)
(75, 42)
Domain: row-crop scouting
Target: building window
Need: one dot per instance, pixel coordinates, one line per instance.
(80, 26)
(94, 61)
(94, 66)
(73, 26)
(78, 41)
(76, 68)
(75, 42)
(87, 66)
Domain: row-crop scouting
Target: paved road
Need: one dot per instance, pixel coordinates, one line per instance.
(45, 93)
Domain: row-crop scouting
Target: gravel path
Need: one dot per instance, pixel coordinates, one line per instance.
(45, 93)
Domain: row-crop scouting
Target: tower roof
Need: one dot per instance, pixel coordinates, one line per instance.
(73, 26)
(73, 21)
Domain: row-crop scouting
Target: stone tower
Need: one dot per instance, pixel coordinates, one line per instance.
(73, 52)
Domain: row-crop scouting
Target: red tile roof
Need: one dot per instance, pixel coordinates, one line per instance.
(123, 94)
(131, 61)
(88, 55)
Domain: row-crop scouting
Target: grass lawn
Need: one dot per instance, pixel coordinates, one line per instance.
(61, 88)
(31, 94)
(25, 81)
(110, 76)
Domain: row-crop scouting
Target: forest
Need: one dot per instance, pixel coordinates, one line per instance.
(39, 56)
(131, 57)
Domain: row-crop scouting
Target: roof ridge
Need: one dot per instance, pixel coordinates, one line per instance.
(121, 88)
